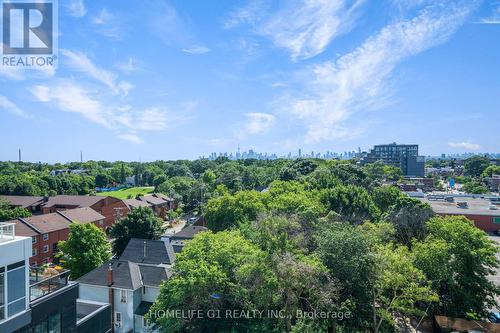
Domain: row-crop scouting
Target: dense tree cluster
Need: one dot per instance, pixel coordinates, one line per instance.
(327, 237)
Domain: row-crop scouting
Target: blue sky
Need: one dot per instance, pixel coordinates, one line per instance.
(153, 79)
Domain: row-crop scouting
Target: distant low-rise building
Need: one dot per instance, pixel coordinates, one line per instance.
(160, 203)
(485, 213)
(31, 203)
(179, 240)
(111, 208)
(48, 229)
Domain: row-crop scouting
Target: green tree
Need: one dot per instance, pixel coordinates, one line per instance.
(458, 258)
(228, 211)
(139, 223)
(385, 197)
(345, 250)
(352, 202)
(475, 187)
(85, 249)
(398, 286)
(297, 168)
(474, 166)
(217, 272)
(409, 217)
(102, 180)
(7, 213)
(490, 171)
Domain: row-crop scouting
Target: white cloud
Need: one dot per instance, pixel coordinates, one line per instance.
(9, 106)
(248, 14)
(69, 96)
(494, 18)
(257, 122)
(80, 62)
(303, 27)
(129, 66)
(464, 145)
(196, 49)
(76, 8)
(103, 17)
(357, 81)
(131, 137)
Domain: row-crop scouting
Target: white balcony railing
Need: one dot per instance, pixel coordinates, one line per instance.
(7, 231)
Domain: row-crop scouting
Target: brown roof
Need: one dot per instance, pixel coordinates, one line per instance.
(73, 200)
(153, 199)
(47, 222)
(82, 215)
(21, 201)
(134, 203)
(23, 229)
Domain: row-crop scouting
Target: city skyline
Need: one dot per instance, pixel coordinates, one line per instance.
(179, 80)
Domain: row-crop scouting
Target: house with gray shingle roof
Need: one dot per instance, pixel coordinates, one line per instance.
(130, 283)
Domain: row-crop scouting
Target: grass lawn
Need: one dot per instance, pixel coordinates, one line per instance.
(125, 193)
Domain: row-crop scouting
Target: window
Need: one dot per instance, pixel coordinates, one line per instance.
(45, 248)
(33, 239)
(2, 295)
(45, 261)
(145, 322)
(33, 252)
(118, 318)
(123, 296)
(16, 288)
(55, 323)
(45, 237)
(101, 223)
(144, 290)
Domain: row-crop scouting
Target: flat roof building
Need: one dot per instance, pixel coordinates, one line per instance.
(485, 213)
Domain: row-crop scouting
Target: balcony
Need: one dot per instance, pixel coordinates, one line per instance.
(7, 232)
(46, 280)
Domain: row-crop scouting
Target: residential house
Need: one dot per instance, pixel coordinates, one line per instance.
(48, 229)
(160, 203)
(112, 208)
(134, 203)
(31, 203)
(130, 283)
(179, 240)
(41, 301)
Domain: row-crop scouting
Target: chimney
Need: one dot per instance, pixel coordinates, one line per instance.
(111, 296)
(144, 249)
(110, 275)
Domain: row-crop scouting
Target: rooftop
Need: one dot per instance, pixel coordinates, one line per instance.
(188, 232)
(475, 206)
(73, 200)
(134, 203)
(22, 201)
(146, 251)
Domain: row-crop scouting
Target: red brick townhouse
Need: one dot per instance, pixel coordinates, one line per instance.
(110, 207)
(48, 229)
(160, 203)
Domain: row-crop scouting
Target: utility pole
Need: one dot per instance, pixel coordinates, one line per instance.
(20, 159)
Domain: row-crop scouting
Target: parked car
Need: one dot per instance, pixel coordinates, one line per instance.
(494, 317)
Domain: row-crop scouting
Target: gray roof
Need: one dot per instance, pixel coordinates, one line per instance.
(188, 232)
(157, 252)
(475, 207)
(152, 276)
(126, 275)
